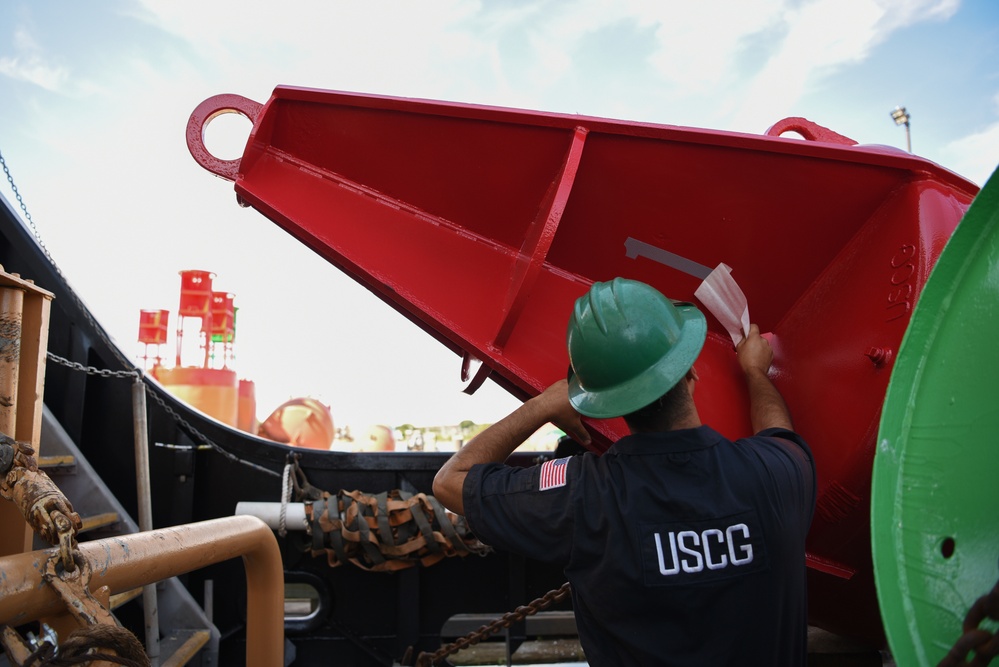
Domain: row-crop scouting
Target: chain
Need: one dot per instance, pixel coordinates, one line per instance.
(186, 425)
(41, 244)
(90, 370)
(27, 216)
(204, 438)
(504, 621)
(106, 373)
(984, 644)
(45, 508)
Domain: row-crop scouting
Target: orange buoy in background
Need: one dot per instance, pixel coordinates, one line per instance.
(153, 326)
(153, 331)
(246, 419)
(195, 301)
(214, 391)
(195, 293)
(377, 438)
(302, 422)
(213, 387)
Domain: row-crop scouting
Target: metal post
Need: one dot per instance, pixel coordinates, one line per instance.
(149, 604)
(901, 117)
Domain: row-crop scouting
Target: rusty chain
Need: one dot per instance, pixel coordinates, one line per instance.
(98, 632)
(67, 571)
(983, 643)
(42, 504)
(100, 644)
(425, 659)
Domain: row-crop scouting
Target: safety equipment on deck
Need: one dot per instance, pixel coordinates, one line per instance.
(629, 345)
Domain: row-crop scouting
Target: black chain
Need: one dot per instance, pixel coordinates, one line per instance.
(205, 439)
(504, 621)
(90, 370)
(41, 244)
(186, 425)
(24, 209)
(106, 373)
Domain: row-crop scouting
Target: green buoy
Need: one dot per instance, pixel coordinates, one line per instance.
(935, 488)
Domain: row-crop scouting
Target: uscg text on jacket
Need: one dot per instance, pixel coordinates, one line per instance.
(711, 549)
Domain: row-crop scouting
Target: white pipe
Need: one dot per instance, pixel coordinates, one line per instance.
(270, 513)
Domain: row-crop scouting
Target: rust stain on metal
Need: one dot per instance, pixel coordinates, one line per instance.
(10, 339)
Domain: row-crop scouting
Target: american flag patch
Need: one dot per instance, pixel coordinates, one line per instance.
(553, 474)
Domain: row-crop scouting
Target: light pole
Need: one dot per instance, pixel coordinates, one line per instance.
(901, 117)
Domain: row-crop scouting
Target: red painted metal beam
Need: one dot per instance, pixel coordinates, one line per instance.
(483, 225)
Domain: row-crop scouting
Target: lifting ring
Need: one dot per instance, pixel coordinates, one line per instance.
(202, 115)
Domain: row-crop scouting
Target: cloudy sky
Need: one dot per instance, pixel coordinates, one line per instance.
(96, 96)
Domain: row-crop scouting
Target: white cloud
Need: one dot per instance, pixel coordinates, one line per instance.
(819, 38)
(24, 41)
(33, 70)
(118, 163)
(33, 63)
(902, 13)
(29, 65)
(975, 156)
(698, 44)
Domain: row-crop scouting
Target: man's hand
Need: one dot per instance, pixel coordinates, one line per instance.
(555, 403)
(754, 352)
(766, 406)
(498, 441)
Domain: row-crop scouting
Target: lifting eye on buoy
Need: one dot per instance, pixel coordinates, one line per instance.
(204, 114)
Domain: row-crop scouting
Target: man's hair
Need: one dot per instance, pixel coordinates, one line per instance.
(662, 413)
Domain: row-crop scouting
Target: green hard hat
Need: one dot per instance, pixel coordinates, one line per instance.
(629, 345)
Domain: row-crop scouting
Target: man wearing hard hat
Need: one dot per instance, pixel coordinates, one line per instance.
(682, 547)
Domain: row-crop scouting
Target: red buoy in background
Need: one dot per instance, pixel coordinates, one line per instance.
(153, 331)
(212, 387)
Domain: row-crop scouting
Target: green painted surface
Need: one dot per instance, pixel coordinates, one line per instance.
(935, 493)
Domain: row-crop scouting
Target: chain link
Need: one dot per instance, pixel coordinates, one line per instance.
(90, 370)
(198, 435)
(73, 295)
(24, 209)
(186, 425)
(504, 621)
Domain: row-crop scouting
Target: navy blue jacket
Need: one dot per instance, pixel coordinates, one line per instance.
(682, 548)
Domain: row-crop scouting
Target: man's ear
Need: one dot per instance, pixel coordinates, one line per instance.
(691, 379)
